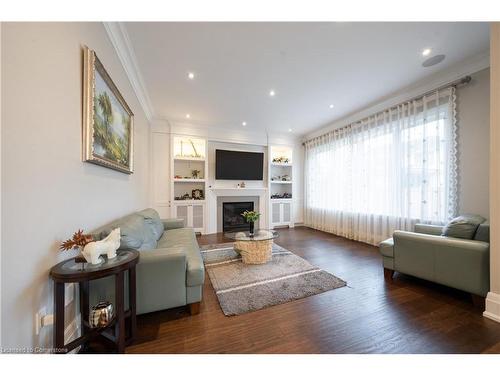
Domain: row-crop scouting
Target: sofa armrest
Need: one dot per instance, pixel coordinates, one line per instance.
(161, 279)
(429, 229)
(172, 223)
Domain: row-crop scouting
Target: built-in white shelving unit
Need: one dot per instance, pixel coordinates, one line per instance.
(280, 186)
(189, 169)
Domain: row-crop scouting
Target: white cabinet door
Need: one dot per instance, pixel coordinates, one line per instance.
(193, 215)
(276, 213)
(286, 212)
(198, 217)
(281, 214)
(182, 212)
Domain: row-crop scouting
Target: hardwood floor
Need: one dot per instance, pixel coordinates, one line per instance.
(370, 315)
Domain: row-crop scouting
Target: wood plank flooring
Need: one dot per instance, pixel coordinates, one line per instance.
(370, 315)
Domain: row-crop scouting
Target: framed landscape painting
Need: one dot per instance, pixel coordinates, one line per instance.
(108, 122)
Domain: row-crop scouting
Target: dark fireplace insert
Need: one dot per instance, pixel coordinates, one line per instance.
(231, 216)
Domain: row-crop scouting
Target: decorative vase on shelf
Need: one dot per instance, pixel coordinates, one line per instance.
(252, 225)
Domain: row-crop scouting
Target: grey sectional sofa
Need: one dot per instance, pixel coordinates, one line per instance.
(459, 263)
(170, 272)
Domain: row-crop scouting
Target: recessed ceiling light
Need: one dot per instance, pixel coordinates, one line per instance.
(272, 93)
(331, 106)
(244, 123)
(289, 130)
(188, 115)
(431, 61)
(426, 52)
(191, 75)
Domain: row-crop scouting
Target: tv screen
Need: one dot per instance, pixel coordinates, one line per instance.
(237, 165)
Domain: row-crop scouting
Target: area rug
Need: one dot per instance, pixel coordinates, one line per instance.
(242, 288)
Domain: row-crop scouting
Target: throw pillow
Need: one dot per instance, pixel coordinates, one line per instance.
(463, 226)
(153, 221)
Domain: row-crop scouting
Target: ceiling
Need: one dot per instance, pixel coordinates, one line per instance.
(308, 65)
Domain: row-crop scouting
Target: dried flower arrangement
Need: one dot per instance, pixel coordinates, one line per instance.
(78, 241)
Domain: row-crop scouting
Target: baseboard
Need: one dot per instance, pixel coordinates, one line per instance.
(492, 307)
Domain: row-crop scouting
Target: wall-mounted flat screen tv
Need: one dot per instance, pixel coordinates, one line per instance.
(238, 165)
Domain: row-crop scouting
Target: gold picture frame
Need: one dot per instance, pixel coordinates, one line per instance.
(108, 122)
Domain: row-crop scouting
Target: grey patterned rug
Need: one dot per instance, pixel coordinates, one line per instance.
(242, 288)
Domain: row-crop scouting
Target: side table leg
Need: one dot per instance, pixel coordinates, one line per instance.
(132, 302)
(58, 315)
(120, 312)
(84, 308)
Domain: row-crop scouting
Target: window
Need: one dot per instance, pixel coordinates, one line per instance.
(387, 172)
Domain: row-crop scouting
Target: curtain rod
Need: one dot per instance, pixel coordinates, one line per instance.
(461, 81)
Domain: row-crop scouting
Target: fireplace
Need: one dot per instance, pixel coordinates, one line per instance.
(231, 216)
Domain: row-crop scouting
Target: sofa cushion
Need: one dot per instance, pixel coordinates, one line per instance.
(463, 226)
(153, 220)
(387, 248)
(132, 230)
(185, 238)
(483, 232)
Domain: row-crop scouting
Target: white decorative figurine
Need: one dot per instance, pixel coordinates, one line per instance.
(93, 250)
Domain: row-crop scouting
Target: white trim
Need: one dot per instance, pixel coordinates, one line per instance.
(208, 265)
(492, 307)
(469, 66)
(121, 42)
(267, 281)
(1, 25)
(219, 249)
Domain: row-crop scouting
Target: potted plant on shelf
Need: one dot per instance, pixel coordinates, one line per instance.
(251, 217)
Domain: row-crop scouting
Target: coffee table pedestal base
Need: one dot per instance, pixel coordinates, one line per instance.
(255, 252)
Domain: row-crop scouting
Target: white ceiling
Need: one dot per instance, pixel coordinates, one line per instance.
(309, 65)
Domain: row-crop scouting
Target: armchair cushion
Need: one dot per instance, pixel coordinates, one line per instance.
(463, 226)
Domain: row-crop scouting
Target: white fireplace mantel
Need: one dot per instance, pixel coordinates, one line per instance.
(238, 191)
(215, 192)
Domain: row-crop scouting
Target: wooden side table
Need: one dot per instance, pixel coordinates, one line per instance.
(69, 271)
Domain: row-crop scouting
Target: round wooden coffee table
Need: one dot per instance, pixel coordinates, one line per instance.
(256, 248)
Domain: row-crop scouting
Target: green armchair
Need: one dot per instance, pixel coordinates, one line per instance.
(454, 262)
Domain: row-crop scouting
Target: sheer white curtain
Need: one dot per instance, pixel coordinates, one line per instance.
(386, 172)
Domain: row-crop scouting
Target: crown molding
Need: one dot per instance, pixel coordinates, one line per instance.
(459, 70)
(121, 42)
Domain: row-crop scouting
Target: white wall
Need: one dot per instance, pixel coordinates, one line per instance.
(298, 185)
(47, 191)
(473, 119)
